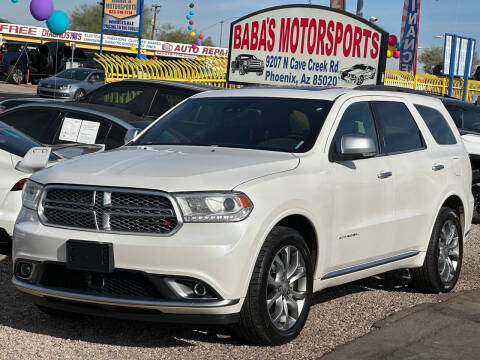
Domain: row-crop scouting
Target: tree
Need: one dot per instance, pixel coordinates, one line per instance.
(169, 33)
(433, 56)
(88, 18)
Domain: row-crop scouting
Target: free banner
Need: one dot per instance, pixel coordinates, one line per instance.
(123, 16)
(409, 35)
(306, 45)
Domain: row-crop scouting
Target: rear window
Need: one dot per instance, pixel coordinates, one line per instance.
(437, 125)
(465, 117)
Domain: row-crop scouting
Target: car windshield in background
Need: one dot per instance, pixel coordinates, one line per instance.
(275, 124)
(75, 74)
(465, 118)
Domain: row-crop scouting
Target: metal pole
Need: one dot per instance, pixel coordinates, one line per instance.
(140, 30)
(101, 27)
(221, 32)
(360, 8)
(452, 64)
(155, 8)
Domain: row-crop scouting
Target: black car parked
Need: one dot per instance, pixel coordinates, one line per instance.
(147, 99)
(62, 123)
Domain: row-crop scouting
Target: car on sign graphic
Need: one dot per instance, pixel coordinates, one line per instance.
(357, 74)
(248, 63)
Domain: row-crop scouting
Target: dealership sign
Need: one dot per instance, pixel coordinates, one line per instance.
(306, 45)
(123, 16)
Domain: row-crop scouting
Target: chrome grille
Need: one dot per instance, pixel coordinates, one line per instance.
(109, 210)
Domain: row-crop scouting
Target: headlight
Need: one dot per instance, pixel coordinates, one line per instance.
(31, 194)
(214, 207)
(64, 87)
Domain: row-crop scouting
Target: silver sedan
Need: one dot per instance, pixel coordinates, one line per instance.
(71, 84)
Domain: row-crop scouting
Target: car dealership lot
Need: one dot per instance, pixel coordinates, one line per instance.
(338, 315)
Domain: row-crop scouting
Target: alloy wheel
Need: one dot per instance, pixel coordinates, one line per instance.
(286, 287)
(449, 251)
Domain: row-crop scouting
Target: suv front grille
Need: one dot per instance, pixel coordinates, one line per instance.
(109, 210)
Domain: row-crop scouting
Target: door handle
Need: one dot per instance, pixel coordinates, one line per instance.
(384, 174)
(438, 167)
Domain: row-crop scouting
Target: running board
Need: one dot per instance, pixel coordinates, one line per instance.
(370, 265)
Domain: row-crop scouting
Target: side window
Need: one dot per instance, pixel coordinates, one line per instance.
(40, 124)
(136, 100)
(356, 120)
(81, 128)
(467, 117)
(398, 128)
(164, 102)
(115, 137)
(437, 125)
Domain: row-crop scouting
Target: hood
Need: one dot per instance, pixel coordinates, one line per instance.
(171, 169)
(59, 81)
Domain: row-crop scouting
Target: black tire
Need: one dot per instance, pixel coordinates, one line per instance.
(427, 278)
(255, 324)
(241, 71)
(55, 312)
(360, 80)
(15, 74)
(476, 195)
(80, 93)
(259, 73)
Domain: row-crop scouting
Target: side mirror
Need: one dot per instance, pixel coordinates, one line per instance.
(354, 147)
(35, 159)
(130, 135)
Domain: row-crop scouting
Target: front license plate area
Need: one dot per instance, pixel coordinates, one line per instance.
(90, 256)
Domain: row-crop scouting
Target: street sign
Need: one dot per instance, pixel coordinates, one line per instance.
(306, 45)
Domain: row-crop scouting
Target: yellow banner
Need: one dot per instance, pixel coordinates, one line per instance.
(121, 9)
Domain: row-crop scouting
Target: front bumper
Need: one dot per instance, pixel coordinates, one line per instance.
(54, 93)
(221, 255)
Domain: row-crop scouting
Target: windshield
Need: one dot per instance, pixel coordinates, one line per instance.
(363, 67)
(276, 124)
(75, 74)
(465, 118)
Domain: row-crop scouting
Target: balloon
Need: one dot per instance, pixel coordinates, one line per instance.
(58, 22)
(399, 45)
(194, 46)
(192, 13)
(192, 5)
(199, 42)
(14, 1)
(200, 36)
(75, 36)
(188, 17)
(396, 54)
(191, 22)
(389, 54)
(190, 27)
(192, 34)
(41, 9)
(392, 40)
(133, 48)
(391, 48)
(155, 58)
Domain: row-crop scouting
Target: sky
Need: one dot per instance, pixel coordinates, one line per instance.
(437, 16)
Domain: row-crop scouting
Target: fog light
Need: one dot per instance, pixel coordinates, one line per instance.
(24, 270)
(200, 290)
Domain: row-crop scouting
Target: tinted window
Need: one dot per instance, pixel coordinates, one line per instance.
(356, 120)
(115, 137)
(277, 124)
(40, 124)
(134, 99)
(465, 117)
(164, 102)
(399, 131)
(14, 142)
(437, 125)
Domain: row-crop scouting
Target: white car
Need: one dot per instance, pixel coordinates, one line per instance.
(237, 205)
(14, 146)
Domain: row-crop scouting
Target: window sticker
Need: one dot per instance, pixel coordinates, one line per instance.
(80, 131)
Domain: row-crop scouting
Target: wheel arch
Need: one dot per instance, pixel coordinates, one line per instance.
(454, 202)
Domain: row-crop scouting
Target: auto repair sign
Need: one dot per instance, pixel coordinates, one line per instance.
(305, 45)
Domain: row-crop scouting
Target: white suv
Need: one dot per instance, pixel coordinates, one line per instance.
(237, 205)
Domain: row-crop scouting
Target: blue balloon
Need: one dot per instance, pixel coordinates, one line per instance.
(191, 12)
(188, 17)
(58, 22)
(190, 27)
(14, 1)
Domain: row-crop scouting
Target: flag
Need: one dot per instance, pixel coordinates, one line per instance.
(409, 35)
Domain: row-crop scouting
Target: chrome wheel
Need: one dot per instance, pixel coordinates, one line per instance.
(449, 251)
(286, 287)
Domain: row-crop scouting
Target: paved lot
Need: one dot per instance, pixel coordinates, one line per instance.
(8, 91)
(338, 316)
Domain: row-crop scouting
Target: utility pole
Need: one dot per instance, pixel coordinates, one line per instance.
(155, 8)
